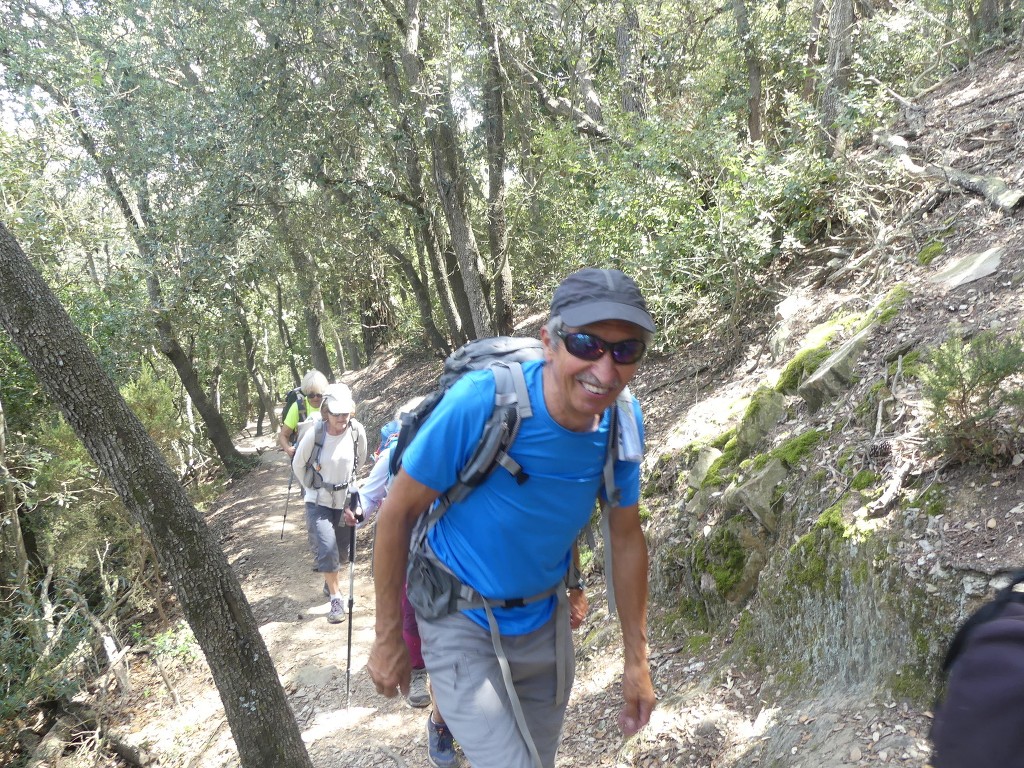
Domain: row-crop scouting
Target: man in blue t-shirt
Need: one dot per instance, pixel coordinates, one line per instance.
(509, 541)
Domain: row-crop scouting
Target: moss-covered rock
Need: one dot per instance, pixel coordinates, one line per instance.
(930, 252)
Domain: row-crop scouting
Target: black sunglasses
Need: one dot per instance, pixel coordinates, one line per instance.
(587, 346)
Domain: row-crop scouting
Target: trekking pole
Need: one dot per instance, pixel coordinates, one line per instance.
(352, 504)
(287, 498)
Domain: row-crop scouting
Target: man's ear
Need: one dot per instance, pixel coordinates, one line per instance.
(545, 338)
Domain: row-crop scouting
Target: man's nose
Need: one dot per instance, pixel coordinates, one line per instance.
(605, 369)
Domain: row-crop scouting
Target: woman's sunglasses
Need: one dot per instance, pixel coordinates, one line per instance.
(587, 346)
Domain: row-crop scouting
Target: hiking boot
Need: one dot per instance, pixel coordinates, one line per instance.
(337, 614)
(440, 745)
(418, 696)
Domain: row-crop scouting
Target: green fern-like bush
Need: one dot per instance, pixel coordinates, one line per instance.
(975, 391)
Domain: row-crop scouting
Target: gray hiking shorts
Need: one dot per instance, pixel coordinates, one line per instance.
(331, 536)
(470, 691)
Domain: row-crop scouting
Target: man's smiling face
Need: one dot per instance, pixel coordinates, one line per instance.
(576, 390)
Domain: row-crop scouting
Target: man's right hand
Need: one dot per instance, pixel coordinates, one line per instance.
(389, 666)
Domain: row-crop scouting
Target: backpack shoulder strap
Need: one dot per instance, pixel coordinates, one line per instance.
(511, 406)
(621, 411)
(300, 402)
(319, 433)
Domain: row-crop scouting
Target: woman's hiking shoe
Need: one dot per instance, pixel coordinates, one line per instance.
(418, 696)
(440, 745)
(337, 614)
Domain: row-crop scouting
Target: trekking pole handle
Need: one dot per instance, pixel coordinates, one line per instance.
(353, 506)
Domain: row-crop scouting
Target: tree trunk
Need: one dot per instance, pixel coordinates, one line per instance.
(13, 555)
(249, 348)
(309, 293)
(257, 710)
(138, 227)
(216, 429)
(634, 81)
(451, 182)
(286, 338)
(497, 224)
(418, 287)
(837, 75)
(427, 239)
(753, 64)
(813, 34)
(449, 174)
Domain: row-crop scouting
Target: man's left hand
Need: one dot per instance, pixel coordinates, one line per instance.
(638, 699)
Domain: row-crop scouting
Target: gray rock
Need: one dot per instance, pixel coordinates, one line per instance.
(835, 375)
(970, 268)
(755, 494)
(707, 456)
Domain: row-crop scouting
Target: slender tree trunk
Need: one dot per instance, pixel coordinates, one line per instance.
(139, 228)
(753, 64)
(286, 337)
(840, 51)
(425, 225)
(418, 287)
(257, 710)
(634, 81)
(217, 430)
(813, 34)
(449, 175)
(249, 349)
(13, 555)
(497, 224)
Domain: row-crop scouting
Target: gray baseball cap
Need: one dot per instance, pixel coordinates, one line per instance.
(592, 295)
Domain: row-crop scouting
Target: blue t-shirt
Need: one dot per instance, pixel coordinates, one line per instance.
(508, 540)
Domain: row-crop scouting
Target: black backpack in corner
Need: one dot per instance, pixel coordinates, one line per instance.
(294, 395)
(979, 722)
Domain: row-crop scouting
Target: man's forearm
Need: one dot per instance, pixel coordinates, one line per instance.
(389, 563)
(629, 573)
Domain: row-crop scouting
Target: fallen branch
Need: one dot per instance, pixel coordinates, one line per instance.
(880, 506)
(992, 188)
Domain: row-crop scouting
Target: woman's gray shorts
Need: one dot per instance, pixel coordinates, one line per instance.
(327, 529)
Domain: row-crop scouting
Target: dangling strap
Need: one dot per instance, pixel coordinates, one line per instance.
(510, 688)
(612, 494)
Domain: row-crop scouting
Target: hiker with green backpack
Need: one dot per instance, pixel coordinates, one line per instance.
(326, 461)
(489, 562)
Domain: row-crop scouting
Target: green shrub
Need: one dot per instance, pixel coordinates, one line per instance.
(976, 394)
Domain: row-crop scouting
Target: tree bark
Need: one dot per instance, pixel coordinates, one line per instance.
(450, 179)
(286, 337)
(249, 348)
(813, 35)
(497, 223)
(138, 227)
(425, 225)
(753, 64)
(257, 710)
(309, 293)
(13, 555)
(634, 82)
(840, 51)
